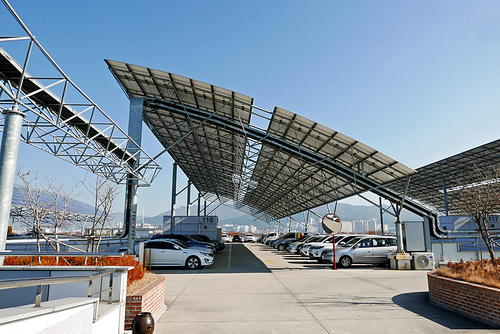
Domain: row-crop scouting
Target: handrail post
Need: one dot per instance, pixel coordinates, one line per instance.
(38, 299)
(90, 288)
(110, 300)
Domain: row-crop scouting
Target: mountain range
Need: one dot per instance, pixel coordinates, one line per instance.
(228, 215)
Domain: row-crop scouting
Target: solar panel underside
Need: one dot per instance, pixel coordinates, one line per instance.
(295, 165)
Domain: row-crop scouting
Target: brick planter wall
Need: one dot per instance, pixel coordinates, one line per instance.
(474, 300)
(150, 298)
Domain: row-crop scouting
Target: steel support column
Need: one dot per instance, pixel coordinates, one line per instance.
(8, 160)
(131, 192)
(399, 231)
(445, 195)
(199, 205)
(381, 215)
(188, 206)
(174, 196)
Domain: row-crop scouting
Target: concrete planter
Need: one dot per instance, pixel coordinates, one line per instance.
(150, 298)
(471, 299)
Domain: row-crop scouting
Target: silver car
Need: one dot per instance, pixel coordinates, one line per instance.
(363, 250)
(177, 253)
(315, 252)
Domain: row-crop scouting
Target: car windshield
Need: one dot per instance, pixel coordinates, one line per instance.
(193, 239)
(351, 242)
(202, 237)
(180, 243)
(321, 238)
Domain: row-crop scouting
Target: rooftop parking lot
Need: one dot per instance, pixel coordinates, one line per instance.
(253, 288)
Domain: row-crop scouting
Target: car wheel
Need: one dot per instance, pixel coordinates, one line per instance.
(281, 247)
(345, 261)
(193, 262)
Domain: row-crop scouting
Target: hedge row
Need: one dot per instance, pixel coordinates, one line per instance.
(127, 260)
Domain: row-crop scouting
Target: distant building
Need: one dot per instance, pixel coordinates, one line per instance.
(359, 226)
(347, 227)
(371, 225)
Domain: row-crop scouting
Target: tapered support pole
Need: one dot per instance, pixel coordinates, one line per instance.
(381, 215)
(188, 205)
(8, 161)
(131, 195)
(174, 198)
(399, 235)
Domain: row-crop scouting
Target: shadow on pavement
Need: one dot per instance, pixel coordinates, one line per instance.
(235, 258)
(419, 303)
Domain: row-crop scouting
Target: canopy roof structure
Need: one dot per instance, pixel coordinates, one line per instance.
(439, 184)
(294, 165)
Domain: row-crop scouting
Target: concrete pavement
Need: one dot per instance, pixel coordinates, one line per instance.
(253, 288)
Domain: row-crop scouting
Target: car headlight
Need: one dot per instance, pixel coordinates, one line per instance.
(207, 254)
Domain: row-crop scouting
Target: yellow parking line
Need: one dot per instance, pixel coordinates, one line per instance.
(229, 257)
(271, 262)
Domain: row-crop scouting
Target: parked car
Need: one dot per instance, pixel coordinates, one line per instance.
(304, 250)
(249, 237)
(315, 252)
(280, 243)
(294, 247)
(186, 239)
(270, 236)
(219, 245)
(225, 238)
(365, 250)
(169, 253)
(236, 238)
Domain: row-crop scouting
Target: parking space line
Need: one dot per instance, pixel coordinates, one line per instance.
(229, 257)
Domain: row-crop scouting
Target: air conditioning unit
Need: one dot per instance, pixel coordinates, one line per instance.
(423, 261)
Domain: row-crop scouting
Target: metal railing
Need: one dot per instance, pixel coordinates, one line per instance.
(39, 282)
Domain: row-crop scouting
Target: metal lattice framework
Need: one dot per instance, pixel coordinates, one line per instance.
(60, 118)
(293, 166)
(439, 184)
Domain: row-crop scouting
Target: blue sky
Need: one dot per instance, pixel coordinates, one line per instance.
(418, 81)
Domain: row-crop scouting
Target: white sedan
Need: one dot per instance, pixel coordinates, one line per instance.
(166, 252)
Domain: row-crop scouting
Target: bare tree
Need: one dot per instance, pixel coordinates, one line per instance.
(104, 194)
(37, 208)
(480, 198)
(64, 206)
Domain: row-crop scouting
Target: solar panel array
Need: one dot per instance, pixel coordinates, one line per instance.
(294, 165)
(451, 174)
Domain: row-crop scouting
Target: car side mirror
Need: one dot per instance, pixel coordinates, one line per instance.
(177, 247)
(341, 243)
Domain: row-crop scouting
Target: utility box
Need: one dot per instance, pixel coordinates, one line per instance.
(423, 261)
(414, 236)
(400, 261)
(187, 225)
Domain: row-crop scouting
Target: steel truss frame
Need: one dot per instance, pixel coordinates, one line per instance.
(61, 119)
